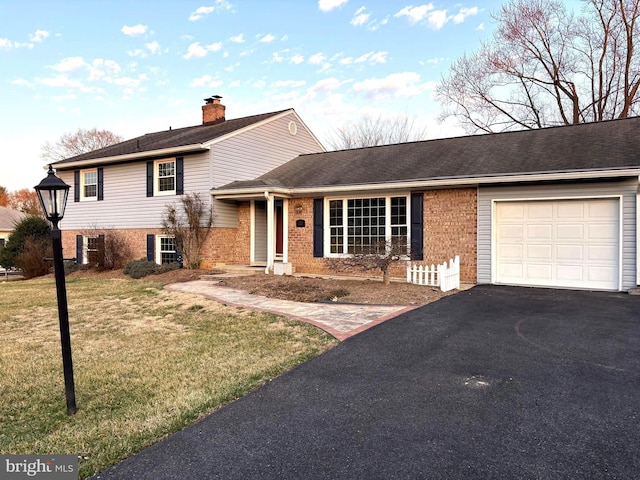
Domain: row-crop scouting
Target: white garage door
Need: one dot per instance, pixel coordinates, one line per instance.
(563, 243)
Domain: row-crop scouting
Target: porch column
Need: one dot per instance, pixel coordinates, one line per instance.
(270, 232)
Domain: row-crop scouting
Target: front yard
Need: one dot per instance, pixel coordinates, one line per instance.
(147, 363)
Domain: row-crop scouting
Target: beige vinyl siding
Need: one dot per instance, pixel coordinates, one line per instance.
(261, 149)
(627, 189)
(125, 203)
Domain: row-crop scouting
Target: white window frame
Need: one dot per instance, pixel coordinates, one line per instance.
(85, 247)
(159, 250)
(83, 184)
(345, 215)
(156, 177)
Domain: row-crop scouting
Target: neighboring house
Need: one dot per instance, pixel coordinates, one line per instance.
(8, 220)
(555, 207)
(125, 187)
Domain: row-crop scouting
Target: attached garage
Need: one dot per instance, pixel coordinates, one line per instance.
(558, 243)
(559, 235)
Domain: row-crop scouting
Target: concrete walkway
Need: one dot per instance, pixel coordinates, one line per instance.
(339, 320)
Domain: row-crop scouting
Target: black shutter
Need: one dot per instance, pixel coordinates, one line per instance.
(76, 186)
(179, 175)
(417, 220)
(318, 227)
(79, 245)
(150, 179)
(151, 246)
(100, 183)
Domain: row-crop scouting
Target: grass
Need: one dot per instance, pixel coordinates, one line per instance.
(146, 362)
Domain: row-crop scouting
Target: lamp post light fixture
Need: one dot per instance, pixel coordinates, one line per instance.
(53, 193)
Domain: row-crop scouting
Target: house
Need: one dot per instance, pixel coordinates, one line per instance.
(8, 220)
(555, 207)
(126, 187)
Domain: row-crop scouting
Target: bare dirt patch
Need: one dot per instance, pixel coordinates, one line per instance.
(301, 288)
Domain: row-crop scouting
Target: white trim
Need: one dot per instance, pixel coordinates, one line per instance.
(156, 177)
(430, 183)
(83, 172)
(158, 251)
(388, 196)
(494, 220)
(285, 231)
(163, 152)
(252, 232)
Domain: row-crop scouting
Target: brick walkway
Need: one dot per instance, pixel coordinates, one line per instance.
(339, 320)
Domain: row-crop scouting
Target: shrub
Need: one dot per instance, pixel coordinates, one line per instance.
(30, 259)
(143, 267)
(140, 268)
(31, 227)
(113, 251)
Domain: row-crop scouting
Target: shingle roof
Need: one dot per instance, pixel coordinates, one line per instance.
(9, 217)
(172, 138)
(606, 145)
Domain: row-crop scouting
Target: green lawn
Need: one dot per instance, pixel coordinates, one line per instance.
(147, 363)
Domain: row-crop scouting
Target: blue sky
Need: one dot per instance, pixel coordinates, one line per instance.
(135, 67)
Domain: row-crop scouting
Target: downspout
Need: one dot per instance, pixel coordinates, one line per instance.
(270, 232)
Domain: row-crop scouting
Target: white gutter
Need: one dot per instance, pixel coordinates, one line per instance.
(163, 152)
(432, 183)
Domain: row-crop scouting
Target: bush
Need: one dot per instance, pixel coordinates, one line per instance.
(30, 258)
(140, 268)
(31, 227)
(143, 267)
(112, 252)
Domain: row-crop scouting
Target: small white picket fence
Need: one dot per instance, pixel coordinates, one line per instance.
(447, 277)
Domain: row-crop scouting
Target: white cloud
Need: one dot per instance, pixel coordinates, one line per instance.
(138, 52)
(5, 44)
(259, 84)
(317, 59)
(195, 50)
(415, 14)
(69, 64)
(372, 57)
(288, 83)
(39, 35)
(201, 12)
(297, 59)
(328, 5)
(237, 39)
(101, 69)
(153, 47)
(59, 81)
(464, 13)
(405, 85)
(480, 27)
(276, 57)
(134, 30)
(435, 19)
(21, 82)
(267, 38)
(326, 85)
(360, 18)
(205, 81)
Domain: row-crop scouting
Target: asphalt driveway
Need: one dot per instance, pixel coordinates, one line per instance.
(494, 382)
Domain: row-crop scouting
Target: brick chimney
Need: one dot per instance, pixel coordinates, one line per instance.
(213, 111)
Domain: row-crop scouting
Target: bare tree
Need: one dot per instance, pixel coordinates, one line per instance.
(190, 227)
(546, 66)
(370, 131)
(379, 255)
(83, 141)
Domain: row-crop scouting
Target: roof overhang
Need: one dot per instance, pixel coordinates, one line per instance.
(432, 183)
(164, 152)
